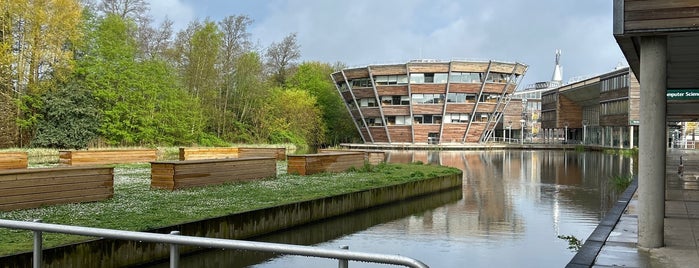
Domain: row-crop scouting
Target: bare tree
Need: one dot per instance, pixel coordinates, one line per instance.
(281, 57)
(154, 42)
(134, 9)
(236, 38)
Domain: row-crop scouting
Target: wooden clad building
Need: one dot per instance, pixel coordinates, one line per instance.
(601, 110)
(428, 101)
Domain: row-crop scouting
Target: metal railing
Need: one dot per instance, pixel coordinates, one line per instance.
(175, 240)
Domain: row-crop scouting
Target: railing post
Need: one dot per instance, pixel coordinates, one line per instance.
(174, 253)
(343, 263)
(38, 247)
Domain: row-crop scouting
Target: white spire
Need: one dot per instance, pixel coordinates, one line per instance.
(557, 73)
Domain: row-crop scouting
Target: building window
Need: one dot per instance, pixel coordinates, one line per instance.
(367, 102)
(428, 78)
(361, 82)
(461, 98)
(614, 83)
(391, 79)
(456, 118)
(615, 107)
(497, 78)
(428, 98)
(395, 100)
(457, 77)
(481, 117)
(399, 120)
(374, 122)
(490, 98)
(427, 119)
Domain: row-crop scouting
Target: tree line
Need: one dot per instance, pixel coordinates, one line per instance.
(79, 73)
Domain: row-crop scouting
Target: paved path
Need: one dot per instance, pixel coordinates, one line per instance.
(681, 223)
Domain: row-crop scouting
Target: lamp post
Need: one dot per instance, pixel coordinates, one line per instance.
(565, 133)
(584, 123)
(509, 129)
(521, 132)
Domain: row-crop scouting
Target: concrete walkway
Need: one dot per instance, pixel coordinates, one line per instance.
(681, 222)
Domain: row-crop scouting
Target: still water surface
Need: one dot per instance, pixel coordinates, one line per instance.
(509, 212)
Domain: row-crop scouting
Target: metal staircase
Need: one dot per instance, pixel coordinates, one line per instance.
(493, 120)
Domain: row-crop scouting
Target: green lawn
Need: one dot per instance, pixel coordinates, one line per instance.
(136, 207)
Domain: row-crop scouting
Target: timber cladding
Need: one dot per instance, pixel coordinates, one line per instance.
(173, 175)
(370, 156)
(30, 188)
(324, 162)
(230, 152)
(106, 157)
(13, 160)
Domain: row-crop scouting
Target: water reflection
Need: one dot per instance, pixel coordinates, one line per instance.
(513, 206)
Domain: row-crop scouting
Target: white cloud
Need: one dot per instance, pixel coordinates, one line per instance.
(180, 13)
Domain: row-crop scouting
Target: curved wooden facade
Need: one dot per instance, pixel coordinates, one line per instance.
(428, 101)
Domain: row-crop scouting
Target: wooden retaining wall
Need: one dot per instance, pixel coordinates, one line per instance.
(307, 164)
(172, 175)
(231, 152)
(371, 157)
(30, 188)
(106, 157)
(13, 160)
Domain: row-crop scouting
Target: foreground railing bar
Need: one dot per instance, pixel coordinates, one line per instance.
(38, 248)
(215, 243)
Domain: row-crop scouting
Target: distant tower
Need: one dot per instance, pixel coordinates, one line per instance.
(557, 73)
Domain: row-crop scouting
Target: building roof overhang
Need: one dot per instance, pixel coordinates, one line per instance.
(682, 57)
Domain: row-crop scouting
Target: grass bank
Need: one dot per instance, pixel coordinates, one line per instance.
(136, 207)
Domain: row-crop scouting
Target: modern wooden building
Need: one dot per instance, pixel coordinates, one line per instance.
(427, 101)
(601, 110)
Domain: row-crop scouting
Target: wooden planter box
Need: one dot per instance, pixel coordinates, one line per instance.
(13, 160)
(106, 157)
(372, 157)
(30, 188)
(230, 152)
(307, 164)
(172, 175)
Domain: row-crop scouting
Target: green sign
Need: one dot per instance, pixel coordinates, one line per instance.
(683, 94)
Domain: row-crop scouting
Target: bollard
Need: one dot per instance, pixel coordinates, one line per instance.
(343, 263)
(38, 247)
(174, 253)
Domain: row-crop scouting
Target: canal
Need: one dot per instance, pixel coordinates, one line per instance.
(509, 213)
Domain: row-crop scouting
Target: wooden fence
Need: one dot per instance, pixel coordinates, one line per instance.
(230, 152)
(30, 188)
(172, 175)
(106, 157)
(307, 164)
(13, 160)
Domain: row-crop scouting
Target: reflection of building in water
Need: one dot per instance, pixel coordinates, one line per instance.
(486, 210)
(561, 183)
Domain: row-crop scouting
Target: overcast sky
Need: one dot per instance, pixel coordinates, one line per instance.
(364, 32)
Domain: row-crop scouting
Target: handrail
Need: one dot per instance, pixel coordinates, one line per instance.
(174, 239)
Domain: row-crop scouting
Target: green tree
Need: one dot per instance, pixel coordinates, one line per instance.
(292, 116)
(142, 101)
(248, 95)
(201, 76)
(70, 119)
(314, 77)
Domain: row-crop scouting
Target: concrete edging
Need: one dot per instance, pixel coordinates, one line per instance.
(588, 253)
